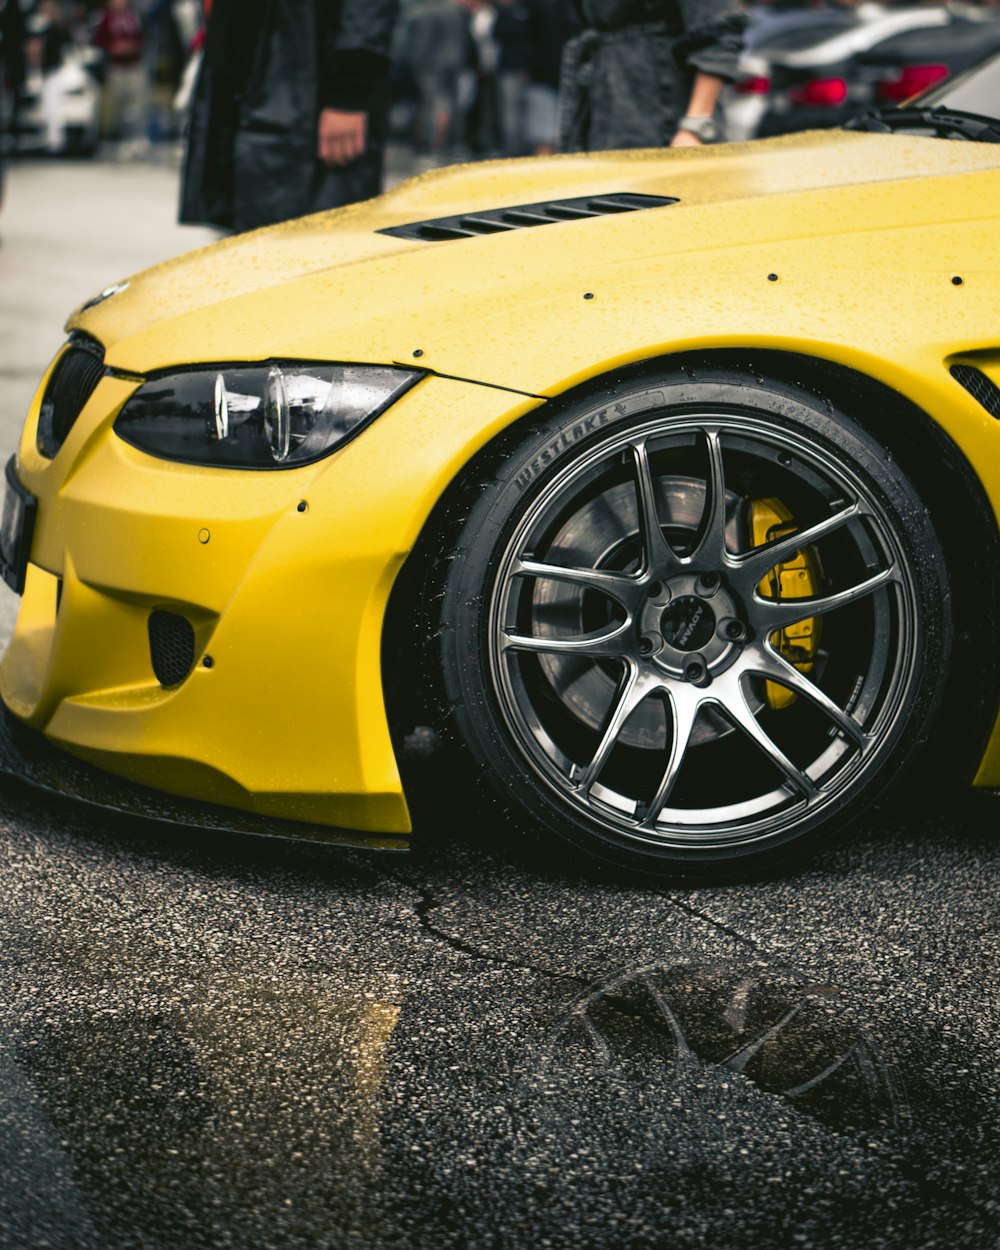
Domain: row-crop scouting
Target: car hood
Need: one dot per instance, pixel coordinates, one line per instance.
(330, 286)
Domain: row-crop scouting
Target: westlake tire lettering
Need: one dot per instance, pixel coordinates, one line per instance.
(593, 421)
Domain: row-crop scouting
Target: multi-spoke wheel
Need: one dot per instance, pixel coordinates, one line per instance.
(701, 625)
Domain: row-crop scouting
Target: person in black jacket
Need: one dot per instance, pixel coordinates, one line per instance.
(646, 73)
(289, 112)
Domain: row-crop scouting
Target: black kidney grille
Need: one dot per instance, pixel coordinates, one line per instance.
(72, 383)
(171, 647)
(979, 386)
(518, 216)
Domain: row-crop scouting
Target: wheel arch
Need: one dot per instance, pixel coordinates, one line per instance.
(939, 470)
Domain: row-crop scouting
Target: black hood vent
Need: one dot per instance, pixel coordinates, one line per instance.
(519, 216)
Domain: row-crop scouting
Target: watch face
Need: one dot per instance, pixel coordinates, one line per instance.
(704, 128)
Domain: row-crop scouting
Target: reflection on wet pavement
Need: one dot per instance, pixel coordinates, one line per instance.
(780, 1032)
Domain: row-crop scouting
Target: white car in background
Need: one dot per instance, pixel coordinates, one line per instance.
(814, 46)
(744, 101)
(59, 112)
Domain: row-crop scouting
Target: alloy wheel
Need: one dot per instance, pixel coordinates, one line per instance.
(639, 632)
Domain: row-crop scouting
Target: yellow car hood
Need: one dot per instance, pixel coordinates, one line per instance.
(330, 286)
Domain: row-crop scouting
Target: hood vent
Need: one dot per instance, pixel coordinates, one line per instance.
(499, 220)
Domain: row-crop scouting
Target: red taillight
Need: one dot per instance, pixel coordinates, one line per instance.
(821, 91)
(911, 80)
(752, 86)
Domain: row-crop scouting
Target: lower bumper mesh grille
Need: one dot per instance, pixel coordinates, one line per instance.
(171, 647)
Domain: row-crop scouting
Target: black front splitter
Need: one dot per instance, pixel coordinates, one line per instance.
(29, 757)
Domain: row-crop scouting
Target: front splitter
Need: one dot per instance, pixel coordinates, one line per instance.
(29, 757)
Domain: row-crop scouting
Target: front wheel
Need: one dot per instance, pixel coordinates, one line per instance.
(697, 627)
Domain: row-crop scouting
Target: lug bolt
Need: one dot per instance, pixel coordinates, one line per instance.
(709, 583)
(654, 589)
(696, 671)
(733, 630)
(647, 645)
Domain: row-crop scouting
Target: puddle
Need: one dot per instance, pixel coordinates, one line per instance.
(708, 1024)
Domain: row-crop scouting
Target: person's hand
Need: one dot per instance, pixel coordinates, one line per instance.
(685, 139)
(341, 136)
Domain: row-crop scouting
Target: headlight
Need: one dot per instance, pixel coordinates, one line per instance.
(258, 416)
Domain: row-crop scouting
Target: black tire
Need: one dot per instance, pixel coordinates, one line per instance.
(630, 668)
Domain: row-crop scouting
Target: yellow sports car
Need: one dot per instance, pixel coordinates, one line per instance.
(659, 488)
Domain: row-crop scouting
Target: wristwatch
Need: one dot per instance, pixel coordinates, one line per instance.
(707, 129)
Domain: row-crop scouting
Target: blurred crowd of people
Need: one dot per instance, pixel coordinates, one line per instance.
(289, 105)
(129, 57)
(291, 111)
(468, 77)
(481, 76)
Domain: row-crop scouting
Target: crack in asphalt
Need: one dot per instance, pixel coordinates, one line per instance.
(717, 924)
(427, 902)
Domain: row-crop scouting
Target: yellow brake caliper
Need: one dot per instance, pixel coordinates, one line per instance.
(797, 578)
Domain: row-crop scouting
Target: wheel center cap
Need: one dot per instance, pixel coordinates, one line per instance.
(688, 624)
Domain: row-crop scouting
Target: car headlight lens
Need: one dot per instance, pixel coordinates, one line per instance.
(258, 416)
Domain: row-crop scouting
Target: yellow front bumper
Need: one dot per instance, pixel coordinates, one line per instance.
(284, 575)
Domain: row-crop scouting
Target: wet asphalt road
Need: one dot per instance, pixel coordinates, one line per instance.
(215, 1042)
(211, 1041)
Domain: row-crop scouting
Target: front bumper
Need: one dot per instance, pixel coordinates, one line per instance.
(287, 602)
(27, 756)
